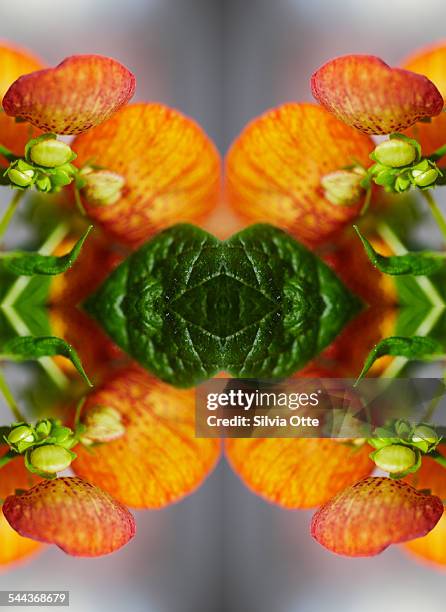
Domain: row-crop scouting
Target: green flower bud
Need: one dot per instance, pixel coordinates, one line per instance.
(102, 424)
(424, 433)
(395, 153)
(343, 187)
(43, 183)
(22, 433)
(50, 459)
(50, 153)
(21, 178)
(102, 187)
(395, 458)
(424, 179)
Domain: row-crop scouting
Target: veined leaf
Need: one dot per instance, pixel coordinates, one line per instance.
(422, 263)
(415, 347)
(29, 264)
(186, 305)
(29, 348)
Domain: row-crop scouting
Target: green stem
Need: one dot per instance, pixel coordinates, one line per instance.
(436, 212)
(438, 457)
(10, 399)
(7, 154)
(9, 213)
(438, 154)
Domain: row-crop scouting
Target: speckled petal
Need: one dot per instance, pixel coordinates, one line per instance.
(171, 170)
(298, 472)
(366, 93)
(366, 518)
(14, 62)
(159, 460)
(274, 170)
(79, 93)
(431, 62)
(73, 514)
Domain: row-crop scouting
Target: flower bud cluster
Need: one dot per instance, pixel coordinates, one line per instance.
(45, 445)
(400, 445)
(46, 166)
(400, 166)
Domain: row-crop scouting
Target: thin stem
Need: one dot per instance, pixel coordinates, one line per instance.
(10, 399)
(436, 212)
(438, 457)
(9, 213)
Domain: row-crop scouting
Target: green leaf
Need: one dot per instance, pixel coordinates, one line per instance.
(186, 305)
(416, 347)
(423, 263)
(29, 348)
(22, 263)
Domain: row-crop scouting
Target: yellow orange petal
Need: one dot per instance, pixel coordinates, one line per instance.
(366, 93)
(171, 170)
(14, 62)
(14, 547)
(432, 547)
(274, 170)
(75, 515)
(298, 472)
(431, 62)
(159, 460)
(82, 91)
(364, 519)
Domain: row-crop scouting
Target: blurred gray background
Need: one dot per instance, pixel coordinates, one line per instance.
(223, 62)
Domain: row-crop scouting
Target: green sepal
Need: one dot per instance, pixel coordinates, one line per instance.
(416, 347)
(423, 263)
(29, 348)
(22, 263)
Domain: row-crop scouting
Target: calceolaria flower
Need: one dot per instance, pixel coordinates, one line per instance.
(281, 170)
(82, 91)
(364, 519)
(158, 460)
(75, 515)
(366, 93)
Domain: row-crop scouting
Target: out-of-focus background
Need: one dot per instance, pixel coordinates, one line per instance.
(223, 62)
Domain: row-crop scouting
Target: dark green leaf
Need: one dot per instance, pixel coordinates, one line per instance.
(186, 305)
(423, 263)
(22, 263)
(29, 348)
(416, 347)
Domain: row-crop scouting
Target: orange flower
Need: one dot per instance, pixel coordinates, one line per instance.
(432, 547)
(274, 170)
(82, 91)
(14, 547)
(431, 62)
(171, 170)
(298, 472)
(76, 516)
(14, 62)
(159, 460)
(364, 519)
(366, 93)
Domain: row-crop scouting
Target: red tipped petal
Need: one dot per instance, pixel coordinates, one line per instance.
(364, 519)
(79, 93)
(366, 93)
(158, 460)
(73, 514)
